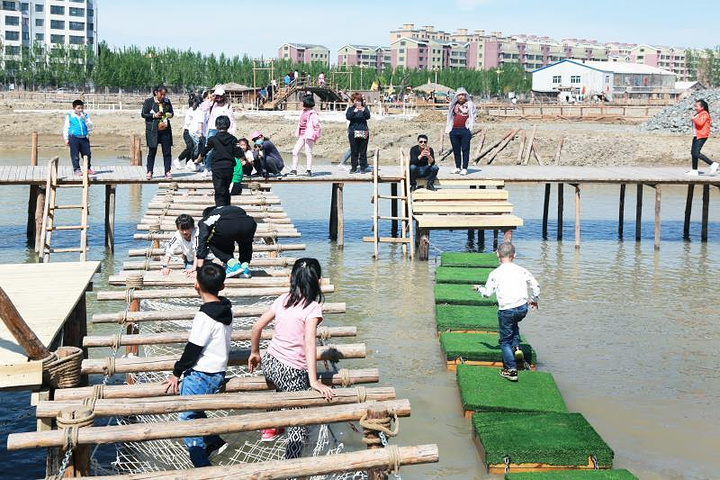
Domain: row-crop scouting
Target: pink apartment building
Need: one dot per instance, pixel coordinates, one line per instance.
(370, 56)
(304, 53)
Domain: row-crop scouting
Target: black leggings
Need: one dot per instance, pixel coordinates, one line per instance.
(190, 152)
(164, 141)
(697, 145)
(358, 151)
(222, 178)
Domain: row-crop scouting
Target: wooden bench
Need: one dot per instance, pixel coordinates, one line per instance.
(464, 182)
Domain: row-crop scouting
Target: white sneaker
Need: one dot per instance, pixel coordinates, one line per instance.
(177, 164)
(455, 171)
(692, 173)
(463, 171)
(714, 168)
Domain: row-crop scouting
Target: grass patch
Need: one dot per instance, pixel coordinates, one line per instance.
(466, 259)
(482, 389)
(464, 317)
(480, 347)
(463, 275)
(573, 475)
(548, 438)
(461, 295)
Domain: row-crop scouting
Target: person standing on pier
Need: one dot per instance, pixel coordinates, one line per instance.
(226, 151)
(701, 132)
(219, 230)
(216, 105)
(290, 362)
(422, 164)
(307, 133)
(157, 112)
(204, 360)
(358, 132)
(76, 131)
(193, 131)
(460, 121)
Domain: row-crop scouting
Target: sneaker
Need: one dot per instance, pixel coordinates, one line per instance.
(353, 171)
(308, 173)
(511, 375)
(92, 172)
(77, 173)
(343, 167)
(168, 176)
(245, 268)
(215, 449)
(177, 165)
(365, 170)
(293, 172)
(714, 168)
(431, 187)
(463, 172)
(519, 358)
(455, 171)
(692, 173)
(270, 434)
(233, 268)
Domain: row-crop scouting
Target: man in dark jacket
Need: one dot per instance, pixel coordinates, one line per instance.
(225, 150)
(219, 230)
(422, 163)
(157, 112)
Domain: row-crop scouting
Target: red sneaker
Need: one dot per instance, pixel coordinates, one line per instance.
(271, 434)
(91, 171)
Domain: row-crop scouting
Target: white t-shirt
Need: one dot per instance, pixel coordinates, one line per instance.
(511, 282)
(214, 337)
(179, 246)
(193, 118)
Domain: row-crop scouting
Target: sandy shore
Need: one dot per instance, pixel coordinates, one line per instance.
(585, 143)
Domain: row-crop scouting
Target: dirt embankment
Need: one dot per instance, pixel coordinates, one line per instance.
(584, 143)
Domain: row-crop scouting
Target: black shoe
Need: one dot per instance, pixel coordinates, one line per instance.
(431, 187)
(511, 375)
(308, 173)
(215, 449)
(413, 188)
(293, 172)
(353, 171)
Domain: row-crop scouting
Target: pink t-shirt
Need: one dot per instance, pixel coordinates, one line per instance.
(288, 343)
(303, 121)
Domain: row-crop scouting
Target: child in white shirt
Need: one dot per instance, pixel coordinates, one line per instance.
(184, 243)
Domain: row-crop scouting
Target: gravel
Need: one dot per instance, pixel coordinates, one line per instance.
(677, 118)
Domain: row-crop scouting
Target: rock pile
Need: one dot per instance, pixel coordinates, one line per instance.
(676, 118)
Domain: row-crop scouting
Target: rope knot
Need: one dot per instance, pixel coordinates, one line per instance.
(70, 420)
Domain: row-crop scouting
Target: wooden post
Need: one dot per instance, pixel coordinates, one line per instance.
(638, 213)
(560, 208)
(340, 216)
(133, 150)
(688, 211)
(20, 330)
(481, 239)
(423, 238)
(558, 150)
(75, 329)
(372, 438)
(621, 212)
(495, 239)
(521, 148)
(658, 198)
(110, 217)
(705, 211)
(30, 230)
(34, 149)
(546, 209)
(333, 226)
(577, 216)
(393, 209)
(80, 459)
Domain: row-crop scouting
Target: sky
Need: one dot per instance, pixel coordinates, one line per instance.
(256, 28)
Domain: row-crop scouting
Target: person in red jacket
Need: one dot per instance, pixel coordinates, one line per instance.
(701, 132)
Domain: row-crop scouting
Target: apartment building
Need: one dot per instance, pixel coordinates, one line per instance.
(48, 23)
(304, 53)
(419, 54)
(371, 56)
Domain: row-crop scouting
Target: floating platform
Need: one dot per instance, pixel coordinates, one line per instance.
(461, 295)
(466, 259)
(574, 475)
(466, 319)
(478, 349)
(528, 442)
(462, 275)
(484, 390)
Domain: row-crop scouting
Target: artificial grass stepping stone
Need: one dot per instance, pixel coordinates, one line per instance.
(482, 389)
(467, 259)
(477, 349)
(461, 295)
(466, 318)
(463, 275)
(539, 440)
(573, 475)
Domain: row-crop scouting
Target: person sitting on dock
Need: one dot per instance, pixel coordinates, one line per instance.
(219, 230)
(75, 133)
(268, 155)
(511, 282)
(422, 164)
(225, 150)
(289, 363)
(204, 361)
(184, 243)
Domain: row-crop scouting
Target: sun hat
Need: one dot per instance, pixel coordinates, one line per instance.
(256, 134)
(219, 91)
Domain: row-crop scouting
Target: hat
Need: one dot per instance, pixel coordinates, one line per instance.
(219, 91)
(256, 134)
(461, 91)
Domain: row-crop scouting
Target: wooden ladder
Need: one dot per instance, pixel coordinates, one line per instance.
(404, 213)
(48, 225)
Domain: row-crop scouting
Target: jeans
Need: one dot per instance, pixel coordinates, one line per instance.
(427, 171)
(211, 133)
(164, 141)
(358, 151)
(460, 140)
(200, 383)
(510, 333)
(222, 178)
(308, 144)
(697, 145)
(79, 146)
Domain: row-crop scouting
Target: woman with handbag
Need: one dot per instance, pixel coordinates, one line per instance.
(358, 132)
(157, 112)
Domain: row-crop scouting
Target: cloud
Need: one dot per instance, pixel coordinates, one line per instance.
(471, 4)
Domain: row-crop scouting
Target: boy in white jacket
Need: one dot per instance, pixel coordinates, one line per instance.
(511, 283)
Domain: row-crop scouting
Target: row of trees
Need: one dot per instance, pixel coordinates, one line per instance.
(706, 67)
(132, 68)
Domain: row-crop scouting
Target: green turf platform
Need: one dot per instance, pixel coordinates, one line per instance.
(574, 475)
(461, 295)
(466, 259)
(478, 347)
(466, 318)
(552, 439)
(462, 275)
(484, 390)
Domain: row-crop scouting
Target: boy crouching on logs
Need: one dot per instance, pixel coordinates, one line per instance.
(184, 243)
(205, 358)
(511, 282)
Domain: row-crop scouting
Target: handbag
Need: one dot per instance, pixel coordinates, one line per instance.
(360, 134)
(162, 125)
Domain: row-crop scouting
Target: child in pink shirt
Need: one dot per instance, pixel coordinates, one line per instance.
(285, 364)
(307, 133)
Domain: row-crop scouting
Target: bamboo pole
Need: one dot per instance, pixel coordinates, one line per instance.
(280, 222)
(20, 330)
(144, 252)
(560, 210)
(638, 212)
(256, 262)
(537, 154)
(160, 315)
(236, 357)
(181, 337)
(218, 401)
(688, 210)
(234, 384)
(262, 227)
(546, 209)
(34, 149)
(204, 426)
(577, 216)
(299, 467)
(658, 199)
(191, 293)
(705, 213)
(170, 209)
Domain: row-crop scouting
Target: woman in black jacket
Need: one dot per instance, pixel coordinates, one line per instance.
(358, 133)
(157, 112)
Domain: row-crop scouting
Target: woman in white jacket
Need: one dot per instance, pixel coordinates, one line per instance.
(460, 121)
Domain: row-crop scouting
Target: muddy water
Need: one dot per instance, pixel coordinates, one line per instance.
(629, 333)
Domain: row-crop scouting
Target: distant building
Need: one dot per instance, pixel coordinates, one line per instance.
(371, 56)
(304, 53)
(609, 80)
